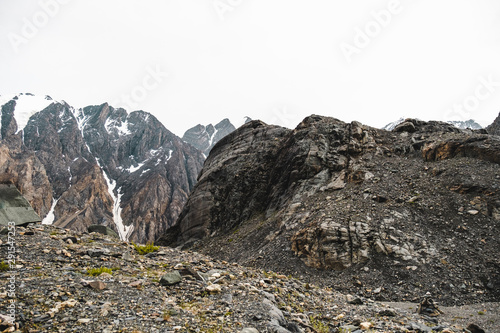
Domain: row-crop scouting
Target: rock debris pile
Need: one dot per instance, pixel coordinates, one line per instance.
(88, 282)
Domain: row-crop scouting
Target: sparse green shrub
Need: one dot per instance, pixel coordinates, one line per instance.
(145, 249)
(4, 266)
(318, 325)
(99, 271)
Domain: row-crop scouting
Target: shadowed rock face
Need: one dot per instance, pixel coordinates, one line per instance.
(99, 163)
(341, 196)
(494, 128)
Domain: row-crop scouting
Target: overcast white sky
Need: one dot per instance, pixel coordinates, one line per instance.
(198, 61)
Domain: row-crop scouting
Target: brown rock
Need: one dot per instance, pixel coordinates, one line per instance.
(99, 285)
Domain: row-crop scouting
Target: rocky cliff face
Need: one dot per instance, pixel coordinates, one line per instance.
(494, 128)
(337, 200)
(150, 170)
(99, 165)
(204, 138)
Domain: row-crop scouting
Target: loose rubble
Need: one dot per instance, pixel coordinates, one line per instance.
(97, 283)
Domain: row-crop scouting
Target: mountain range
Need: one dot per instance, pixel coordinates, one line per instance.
(96, 165)
(101, 165)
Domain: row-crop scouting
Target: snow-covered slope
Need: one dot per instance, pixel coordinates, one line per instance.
(465, 124)
(391, 126)
(26, 105)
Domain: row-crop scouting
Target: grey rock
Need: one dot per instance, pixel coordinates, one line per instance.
(98, 252)
(473, 328)
(171, 278)
(405, 126)
(249, 330)
(419, 327)
(102, 229)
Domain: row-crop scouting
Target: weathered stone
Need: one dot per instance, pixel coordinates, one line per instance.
(102, 229)
(473, 328)
(171, 278)
(99, 285)
(214, 288)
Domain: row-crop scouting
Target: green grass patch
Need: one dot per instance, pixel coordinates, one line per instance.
(145, 249)
(4, 266)
(99, 271)
(318, 325)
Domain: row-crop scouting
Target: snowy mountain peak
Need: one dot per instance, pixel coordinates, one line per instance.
(27, 104)
(471, 124)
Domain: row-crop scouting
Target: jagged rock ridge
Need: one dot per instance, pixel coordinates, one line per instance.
(99, 165)
(494, 128)
(461, 124)
(329, 196)
(204, 138)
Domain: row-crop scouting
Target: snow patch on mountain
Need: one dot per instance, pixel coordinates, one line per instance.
(391, 126)
(120, 127)
(26, 106)
(465, 124)
(49, 219)
(123, 231)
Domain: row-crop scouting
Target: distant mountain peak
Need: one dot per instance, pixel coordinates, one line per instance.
(465, 124)
(204, 137)
(460, 124)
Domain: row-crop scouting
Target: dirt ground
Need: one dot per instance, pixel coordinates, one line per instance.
(484, 315)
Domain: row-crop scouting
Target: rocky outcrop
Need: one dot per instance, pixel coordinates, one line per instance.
(494, 128)
(342, 196)
(204, 138)
(29, 175)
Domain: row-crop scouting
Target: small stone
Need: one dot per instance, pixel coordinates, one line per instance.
(354, 300)
(473, 212)
(171, 278)
(214, 288)
(97, 252)
(127, 256)
(365, 326)
(136, 283)
(99, 285)
(387, 313)
(84, 320)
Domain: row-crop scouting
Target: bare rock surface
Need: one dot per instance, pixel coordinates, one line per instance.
(204, 138)
(98, 165)
(494, 128)
(390, 215)
(66, 281)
